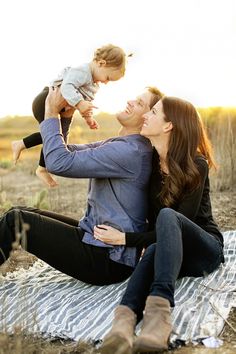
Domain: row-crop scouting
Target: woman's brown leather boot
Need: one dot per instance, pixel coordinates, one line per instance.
(156, 326)
(120, 338)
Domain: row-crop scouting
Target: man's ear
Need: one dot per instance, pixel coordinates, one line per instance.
(102, 62)
(168, 127)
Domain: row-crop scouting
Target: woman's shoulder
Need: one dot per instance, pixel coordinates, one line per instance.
(202, 164)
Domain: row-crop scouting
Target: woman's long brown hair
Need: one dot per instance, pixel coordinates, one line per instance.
(188, 139)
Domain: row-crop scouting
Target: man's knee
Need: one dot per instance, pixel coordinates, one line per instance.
(14, 209)
(13, 216)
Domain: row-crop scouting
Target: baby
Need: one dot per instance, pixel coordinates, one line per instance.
(78, 86)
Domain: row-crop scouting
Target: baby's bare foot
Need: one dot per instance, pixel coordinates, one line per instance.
(17, 146)
(45, 176)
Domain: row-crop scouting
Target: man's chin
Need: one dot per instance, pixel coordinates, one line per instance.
(121, 116)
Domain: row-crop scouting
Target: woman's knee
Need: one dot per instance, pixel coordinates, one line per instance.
(167, 212)
(167, 223)
(149, 252)
(166, 215)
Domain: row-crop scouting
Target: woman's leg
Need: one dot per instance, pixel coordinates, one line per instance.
(60, 244)
(182, 249)
(130, 311)
(140, 282)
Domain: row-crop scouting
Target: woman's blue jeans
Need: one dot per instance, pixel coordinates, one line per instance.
(182, 249)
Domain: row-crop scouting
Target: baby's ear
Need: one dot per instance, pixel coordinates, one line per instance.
(102, 62)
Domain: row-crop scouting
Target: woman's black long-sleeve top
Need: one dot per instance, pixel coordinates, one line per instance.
(195, 205)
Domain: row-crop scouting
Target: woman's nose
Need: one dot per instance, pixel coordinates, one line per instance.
(145, 115)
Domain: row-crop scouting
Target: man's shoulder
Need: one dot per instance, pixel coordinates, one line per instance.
(131, 139)
(130, 145)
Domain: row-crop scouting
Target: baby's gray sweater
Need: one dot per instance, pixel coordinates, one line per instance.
(76, 84)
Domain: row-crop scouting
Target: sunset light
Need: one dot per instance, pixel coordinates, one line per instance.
(186, 48)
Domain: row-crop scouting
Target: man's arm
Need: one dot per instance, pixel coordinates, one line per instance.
(110, 160)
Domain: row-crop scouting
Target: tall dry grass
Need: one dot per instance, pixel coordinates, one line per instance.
(220, 123)
(221, 127)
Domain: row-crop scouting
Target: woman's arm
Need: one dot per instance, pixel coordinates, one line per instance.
(190, 204)
(112, 236)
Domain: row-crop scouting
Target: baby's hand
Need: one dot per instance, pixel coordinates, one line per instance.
(85, 107)
(92, 123)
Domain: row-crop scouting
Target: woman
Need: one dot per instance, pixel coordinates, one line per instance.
(188, 242)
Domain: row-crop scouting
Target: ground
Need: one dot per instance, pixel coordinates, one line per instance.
(20, 186)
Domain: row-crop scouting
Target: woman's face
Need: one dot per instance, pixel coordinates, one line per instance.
(154, 122)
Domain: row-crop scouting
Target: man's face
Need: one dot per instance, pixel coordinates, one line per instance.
(132, 116)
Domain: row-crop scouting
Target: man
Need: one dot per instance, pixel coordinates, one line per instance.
(119, 170)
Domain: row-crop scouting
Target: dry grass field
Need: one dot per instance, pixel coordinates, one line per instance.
(20, 186)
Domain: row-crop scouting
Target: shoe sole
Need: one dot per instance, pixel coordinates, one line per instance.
(147, 348)
(115, 345)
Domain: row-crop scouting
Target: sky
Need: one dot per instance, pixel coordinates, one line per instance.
(187, 48)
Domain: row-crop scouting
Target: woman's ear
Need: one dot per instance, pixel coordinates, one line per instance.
(168, 127)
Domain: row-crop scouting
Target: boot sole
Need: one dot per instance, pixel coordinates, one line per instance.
(148, 348)
(115, 345)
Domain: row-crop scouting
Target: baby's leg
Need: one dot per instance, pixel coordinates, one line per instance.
(17, 146)
(38, 108)
(26, 143)
(43, 174)
(46, 177)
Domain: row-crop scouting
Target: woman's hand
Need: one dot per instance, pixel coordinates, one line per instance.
(109, 234)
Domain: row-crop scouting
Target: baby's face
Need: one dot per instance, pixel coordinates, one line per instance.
(104, 74)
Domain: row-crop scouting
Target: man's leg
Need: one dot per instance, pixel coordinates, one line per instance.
(56, 242)
(60, 244)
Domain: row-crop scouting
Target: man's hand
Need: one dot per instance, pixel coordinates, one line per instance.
(54, 103)
(109, 234)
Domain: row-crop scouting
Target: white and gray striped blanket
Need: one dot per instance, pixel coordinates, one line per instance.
(46, 302)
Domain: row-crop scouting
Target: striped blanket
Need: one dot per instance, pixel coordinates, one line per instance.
(44, 301)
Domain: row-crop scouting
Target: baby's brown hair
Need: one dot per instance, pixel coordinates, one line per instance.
(113, 55)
